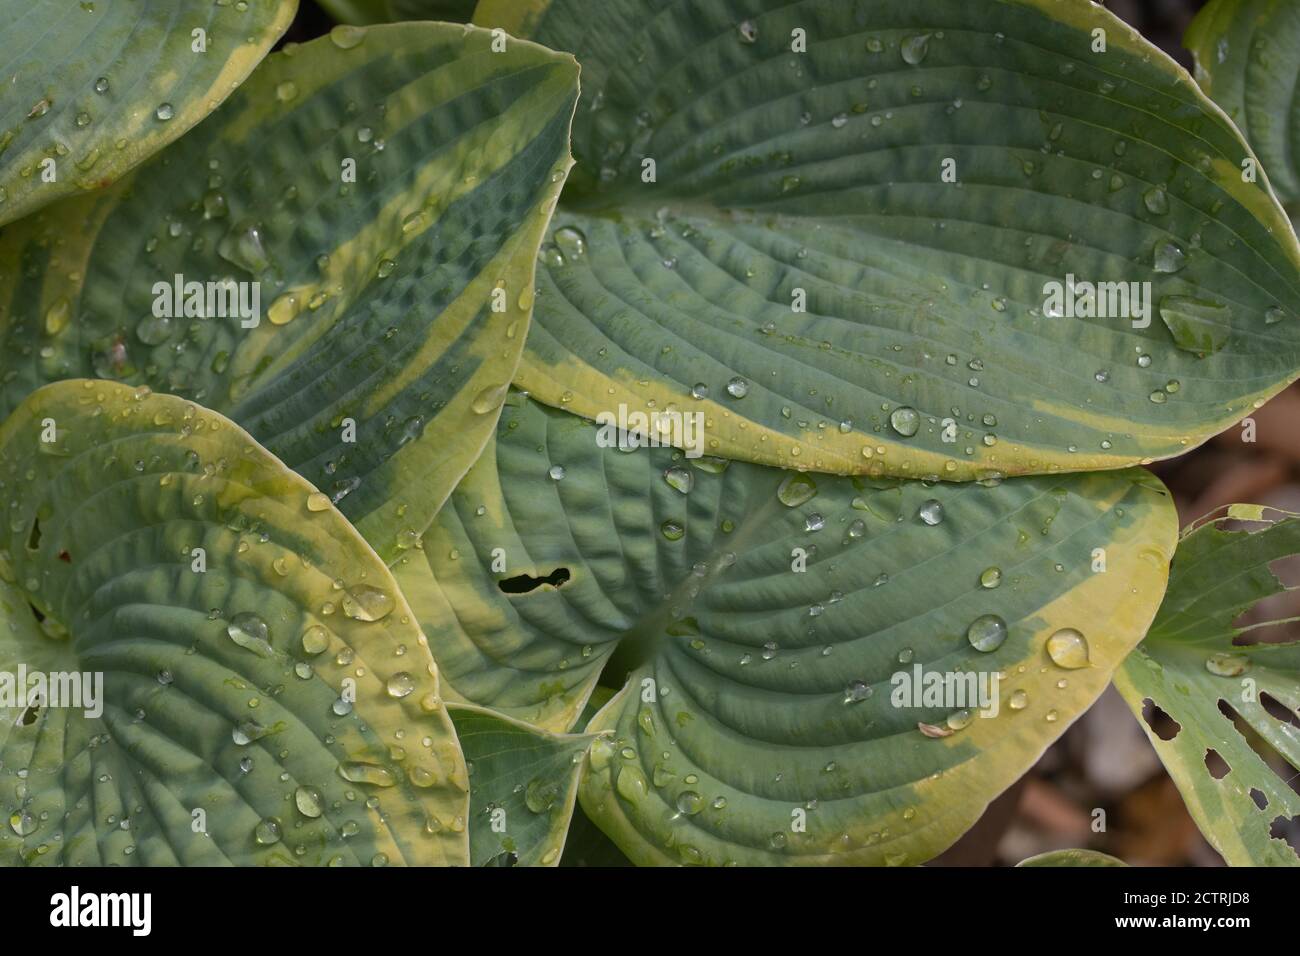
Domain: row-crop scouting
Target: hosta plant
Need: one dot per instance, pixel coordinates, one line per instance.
(672, 433)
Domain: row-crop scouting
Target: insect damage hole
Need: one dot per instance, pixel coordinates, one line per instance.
(523, 583)
(1161, 724)
(1287, 829)
(34, 536)
(1217, 766)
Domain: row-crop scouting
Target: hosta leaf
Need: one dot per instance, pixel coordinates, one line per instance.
(782, 175)
(556, 559)
(1233, 696)
(97, 87)
(225, 669)
(1248, 60)
(1072, 858)
(398, 303)
(523, 787)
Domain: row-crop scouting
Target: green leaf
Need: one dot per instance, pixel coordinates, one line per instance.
(523, 787)
(1248, 60)
(395, 305)
(779, 171)
(1232, 691)
(95, 88)
(558, 563)
(1072, 858)
(224, 670)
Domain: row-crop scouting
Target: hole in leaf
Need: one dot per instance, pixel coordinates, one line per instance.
(1257, 795)
(36, 612)
(507, 858)
(29, 715)
(65, 556)
(1278, 710)
(523, 583)
(34, 536)
(1217, 766)
(1161, 724)
(1276, 762)
(1288, 829)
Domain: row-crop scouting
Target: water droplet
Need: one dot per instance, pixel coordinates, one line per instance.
(987, 633)
(748, 31)
(689, 802)
(317, 501)
(242, 246)
(857, 691)
(991, 577)
(795, 489)
(1068, 648)
(556, 472)
(680, 479)
(905, 421)
(250, 632)
(360, 772)
(672, 530)
(1169, 258)
(347, 37)
(1019, 700)
(931, 512)
(914, 48)
(365, 602)
(1199, 326)
(400, 685)
(101, 85)
(309, 802)
(571, 242)
(737, 387)
(164, 112)
(490, 399)
(1227, 665)
(1156, 200)
(23, 823)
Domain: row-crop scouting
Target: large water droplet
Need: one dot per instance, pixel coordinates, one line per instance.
(1199, 326)
(1168, 257)
(358, 771)
(267, 832)
(309, 802)
(250, 632)
(400, 685)
(1156, 200)
(914, 48)
(365, 602)
(1068, 648)
(242, 246)
(905, 420)
(571, 242)
(680, 478)
(987, 633)
(795, 489)
(931, 512)
(1227, 665)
